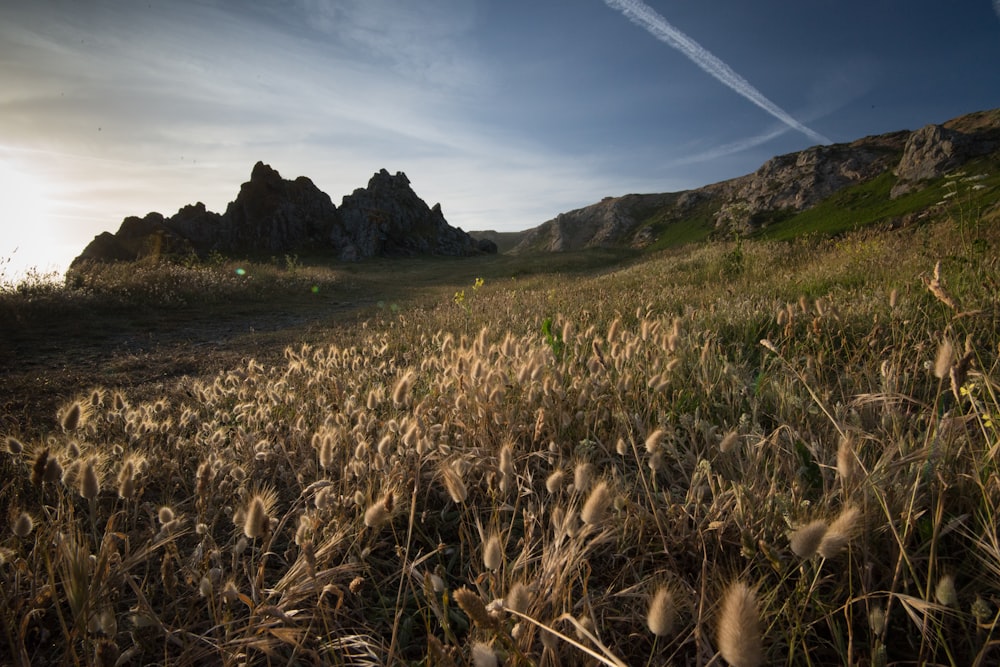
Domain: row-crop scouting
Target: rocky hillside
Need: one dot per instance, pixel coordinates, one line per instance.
(900, 163)
(274, 215)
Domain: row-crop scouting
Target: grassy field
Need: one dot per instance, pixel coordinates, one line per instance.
(770, 452)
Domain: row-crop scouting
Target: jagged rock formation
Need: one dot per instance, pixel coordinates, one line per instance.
(274, 215)
(782, 186)
(387, 218)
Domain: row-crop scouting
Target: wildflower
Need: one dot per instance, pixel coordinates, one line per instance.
(660, 617)
(739, 634)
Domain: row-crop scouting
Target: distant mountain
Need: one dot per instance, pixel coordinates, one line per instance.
(880, 177)
(274, 215)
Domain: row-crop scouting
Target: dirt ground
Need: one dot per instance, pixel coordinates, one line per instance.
(46, 363)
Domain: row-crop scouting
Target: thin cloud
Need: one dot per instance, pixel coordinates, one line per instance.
(646, 17)
(996, 7)
(731, 148)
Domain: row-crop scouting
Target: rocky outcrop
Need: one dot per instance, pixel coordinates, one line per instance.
(388, 219)
(611, 221)
(781, 187)
(933, 151)
(797, 181)
(274, 215)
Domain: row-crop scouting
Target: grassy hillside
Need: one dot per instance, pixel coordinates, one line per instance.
(780, 452)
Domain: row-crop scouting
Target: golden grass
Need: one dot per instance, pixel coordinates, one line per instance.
(443, 485)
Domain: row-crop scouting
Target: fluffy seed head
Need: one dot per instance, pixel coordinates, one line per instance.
(483, 655)
(401, 392)
(554, 481)
(165, 515)
(518, 597)
(24, 525)
(944, 359)
(582, 475)
(126, 481)
(739, 634)
(454, 484)
(90, 484)
(14, 446)
(38, 467)
(806, 540)
(840, 532)
(72, 418)
(945, 592)
(730, 442)
(654, 439)
(474, 608)
(377, 514)
(597, 504)
(508, 479)
(326, 452)
(493, 553)
(847, 463)
(53, 470)
(662, 611)
(254, 525)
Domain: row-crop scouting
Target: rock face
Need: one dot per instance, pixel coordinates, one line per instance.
(782, 186)
(797, 181)
(274, 215)
(934, 150)
(388, 219)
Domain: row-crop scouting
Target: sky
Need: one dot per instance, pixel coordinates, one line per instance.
(507, 112)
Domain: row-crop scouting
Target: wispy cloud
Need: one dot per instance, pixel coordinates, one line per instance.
(646, 17)
(731, 148)
(996, 7)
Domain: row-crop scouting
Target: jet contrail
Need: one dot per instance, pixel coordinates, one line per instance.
(646, 17)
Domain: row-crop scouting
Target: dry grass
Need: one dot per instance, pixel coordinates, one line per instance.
(443, 485)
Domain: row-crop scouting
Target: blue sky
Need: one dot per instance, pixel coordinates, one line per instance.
(507, 112)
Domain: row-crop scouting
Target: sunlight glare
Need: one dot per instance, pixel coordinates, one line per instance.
(25, 211)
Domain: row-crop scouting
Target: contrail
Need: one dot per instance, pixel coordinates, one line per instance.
(646, 17)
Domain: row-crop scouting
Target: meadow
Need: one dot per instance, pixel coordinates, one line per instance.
(744, 453)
